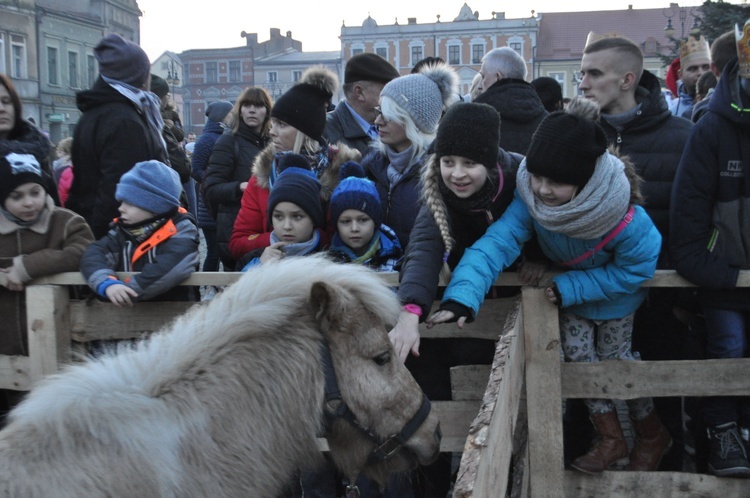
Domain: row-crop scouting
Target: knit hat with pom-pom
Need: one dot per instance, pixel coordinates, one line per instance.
(354, 191)
(304, 106)
(567, 144)
(424, 95)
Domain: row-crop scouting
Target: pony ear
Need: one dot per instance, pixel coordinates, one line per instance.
(329, 305)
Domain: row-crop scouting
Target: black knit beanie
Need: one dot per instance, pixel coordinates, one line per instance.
(304, 107)
(472, 131)
(16, 170)
(122, 60)
(295, 185)
(565, 148)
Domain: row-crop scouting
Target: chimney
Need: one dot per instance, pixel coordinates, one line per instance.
(412, 20)
(275, 33)
(251, 39)
(288, 34)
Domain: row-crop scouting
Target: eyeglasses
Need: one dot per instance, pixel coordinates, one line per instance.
(379, 112)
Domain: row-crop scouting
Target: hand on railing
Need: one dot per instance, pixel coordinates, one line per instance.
(10, 279)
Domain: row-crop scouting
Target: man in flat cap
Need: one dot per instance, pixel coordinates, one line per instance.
(352, 122)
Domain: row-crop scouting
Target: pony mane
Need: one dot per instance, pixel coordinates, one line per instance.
(261, 303)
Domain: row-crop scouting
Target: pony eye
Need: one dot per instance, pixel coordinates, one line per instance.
(382, 359)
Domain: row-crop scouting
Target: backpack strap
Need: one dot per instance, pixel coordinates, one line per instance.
(606, 240)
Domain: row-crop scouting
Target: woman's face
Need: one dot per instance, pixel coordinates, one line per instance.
(462, 176)
(254, 116)
(283, 135)
(391, 133)
(7, 113)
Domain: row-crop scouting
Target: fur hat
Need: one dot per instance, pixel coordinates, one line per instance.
(304, 106)
(159, 86)
(423, 95)
(567, 144)
(295, 186)
(354, 191)
(122, 60)
(367, 66)
(470, 130)
(150, 185)
(17, 169)
(216, 111)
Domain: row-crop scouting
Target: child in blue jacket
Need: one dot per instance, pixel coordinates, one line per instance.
(581, 201)
(153, 235)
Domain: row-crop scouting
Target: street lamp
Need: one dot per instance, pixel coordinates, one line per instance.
(576, 79)
(172, 77)
(683, 14)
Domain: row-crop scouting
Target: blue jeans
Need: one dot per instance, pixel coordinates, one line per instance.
(727, 332)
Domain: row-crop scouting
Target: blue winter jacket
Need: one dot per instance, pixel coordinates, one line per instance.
(201, 154)
(605, 286)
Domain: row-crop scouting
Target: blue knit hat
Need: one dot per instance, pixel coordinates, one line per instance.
(122, 60)
(354, 191)
(296, 186)
(150, 185)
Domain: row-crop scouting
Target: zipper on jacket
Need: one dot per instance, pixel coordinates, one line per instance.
(619, 138)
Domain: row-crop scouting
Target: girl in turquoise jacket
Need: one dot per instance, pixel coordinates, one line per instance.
(581, 201)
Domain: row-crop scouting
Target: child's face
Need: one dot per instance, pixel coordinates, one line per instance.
(26, 201)
(356, 230)
(462, 176)
(552, 193)
(131, 215)
(291, 223)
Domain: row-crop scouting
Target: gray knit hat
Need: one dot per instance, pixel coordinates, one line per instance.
(218, 110)
(122, 60)
(150, 185)
(423, 95)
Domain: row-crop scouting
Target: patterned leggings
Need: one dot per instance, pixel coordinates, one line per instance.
(597, 340)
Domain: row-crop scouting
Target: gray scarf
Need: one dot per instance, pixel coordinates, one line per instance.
(593, 212)
(298, 248)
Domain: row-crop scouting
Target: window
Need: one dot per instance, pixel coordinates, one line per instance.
(73, 69)
(416, 54)
(296, 76)
(560, 78)
(273, 76)
(52, 78)
(454, 54)
(477, 52)
(90, 69)
(164, 65)
(2, 53)
(212, 75)
(517, 47)
(356, 51)
(235, 73)
(18, 56)
(382, 52)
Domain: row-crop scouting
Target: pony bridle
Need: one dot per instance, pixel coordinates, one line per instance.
(384, 447)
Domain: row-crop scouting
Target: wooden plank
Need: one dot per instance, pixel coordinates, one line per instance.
(48, 325)
(92, 320)
(490, 445)
(614, 484)
(639, 379)
(15, 373)
(469, 382)
(488, 325)
(455, 419)
(543, 394)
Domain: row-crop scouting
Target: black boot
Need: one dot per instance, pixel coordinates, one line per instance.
(727, 457)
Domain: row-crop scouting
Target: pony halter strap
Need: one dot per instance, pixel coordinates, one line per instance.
(384, 447)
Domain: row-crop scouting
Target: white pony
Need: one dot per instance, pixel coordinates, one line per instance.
(228, 400)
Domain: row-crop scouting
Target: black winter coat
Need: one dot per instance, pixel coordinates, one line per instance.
(420, 269)
(520, 111)
(110, 138)
(654, 142)
(230, 164)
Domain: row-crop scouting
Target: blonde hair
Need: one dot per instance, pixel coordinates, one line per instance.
(65, 146)
(434, 201)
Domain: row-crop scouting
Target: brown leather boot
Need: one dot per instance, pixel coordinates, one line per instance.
(609, 448)
(652, 441)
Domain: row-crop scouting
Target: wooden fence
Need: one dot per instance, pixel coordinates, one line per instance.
(507, 419)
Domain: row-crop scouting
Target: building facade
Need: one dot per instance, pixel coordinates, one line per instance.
(18, 52)
(461, 43)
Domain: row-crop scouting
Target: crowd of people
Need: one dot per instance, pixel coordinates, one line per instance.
(406, 175)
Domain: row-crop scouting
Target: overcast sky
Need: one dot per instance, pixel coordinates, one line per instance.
(190, 24)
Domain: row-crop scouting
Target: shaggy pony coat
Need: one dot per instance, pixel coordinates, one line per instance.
(228, 400)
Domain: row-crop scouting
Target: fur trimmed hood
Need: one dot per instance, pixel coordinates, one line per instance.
(337, 155)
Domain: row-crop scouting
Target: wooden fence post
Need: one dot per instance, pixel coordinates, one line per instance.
(48, 324)
(543, 393)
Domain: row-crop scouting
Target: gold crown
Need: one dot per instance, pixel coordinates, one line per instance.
(743, 48)
(694, 51)
(593, 37)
